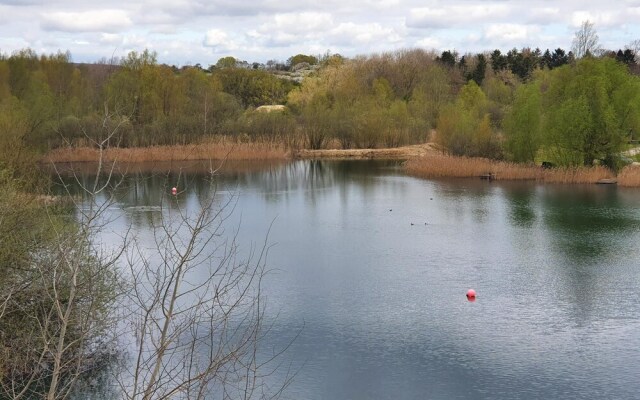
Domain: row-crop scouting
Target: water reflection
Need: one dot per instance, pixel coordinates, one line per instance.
(382, 301)
(588, 224)
(521, 198)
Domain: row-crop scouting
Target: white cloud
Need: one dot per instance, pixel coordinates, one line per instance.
(300, 22)
(282, 30)
(600, 19)
(201, 30)
(350, 33)
(505, 33)
(110, 38)
(87, 21)
(219, 40)
(429, 43)
(137, 42)
(454, 15)
(544, 15)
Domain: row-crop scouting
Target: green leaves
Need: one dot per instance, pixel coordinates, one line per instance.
(522, 124)
(590, 109)
(254, 87)
(577, 114)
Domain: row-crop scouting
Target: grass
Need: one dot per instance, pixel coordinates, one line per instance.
(221, 149)
(442, 166)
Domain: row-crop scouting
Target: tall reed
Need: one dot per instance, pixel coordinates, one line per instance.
(443, 166)
(209, 150)
(629, 176)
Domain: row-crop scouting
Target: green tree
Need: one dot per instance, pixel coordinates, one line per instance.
(135, 89)
(590, 110)
(21, 65)
(448, 58)
(522, 125)
(464, 127)
(5, 88)
(227, 62)
(254, 87)
(300, 58)
(479, 71)
(40, 105)
(431, 95)
(315, 120)
(498, 61)
(59, 73)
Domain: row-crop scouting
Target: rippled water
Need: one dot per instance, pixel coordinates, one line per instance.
(371, 267)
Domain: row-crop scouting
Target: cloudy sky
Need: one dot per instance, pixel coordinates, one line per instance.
(201, 31)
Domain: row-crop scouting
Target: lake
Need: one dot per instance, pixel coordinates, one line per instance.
(369, 269)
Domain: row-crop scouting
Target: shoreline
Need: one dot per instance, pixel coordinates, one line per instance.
(229, 151)
(393, 153)
(423, 161)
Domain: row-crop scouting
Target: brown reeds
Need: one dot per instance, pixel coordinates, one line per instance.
(212, 150)
(395, 153)
(443, 166)
(629, 176)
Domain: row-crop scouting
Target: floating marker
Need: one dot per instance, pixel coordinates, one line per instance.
(174, 191)
(471, 295)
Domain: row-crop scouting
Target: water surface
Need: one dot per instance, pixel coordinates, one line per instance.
(371, 266)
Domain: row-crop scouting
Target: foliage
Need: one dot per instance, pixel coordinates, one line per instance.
(464, 127)
(55, 293)
(253, 87)
(275, 126)
(590, 110)
(302, 58)
(385, 99)
(522, 126)
(226, 62)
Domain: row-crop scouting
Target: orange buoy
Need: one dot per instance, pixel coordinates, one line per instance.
(471, 295)
(174, 191)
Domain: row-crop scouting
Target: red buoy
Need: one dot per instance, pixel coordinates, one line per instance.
(471, 295)
(174, 191)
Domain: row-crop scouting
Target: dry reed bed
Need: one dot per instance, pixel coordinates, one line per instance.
(441, 166)
(629, 176)
(201, 151)
(395, 153)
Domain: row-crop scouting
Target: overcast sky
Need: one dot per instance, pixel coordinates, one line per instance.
(201, 31)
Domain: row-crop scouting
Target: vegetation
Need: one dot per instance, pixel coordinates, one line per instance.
(65, 300)
(466, 167)
(490, 114)
(570, 108)
(221, 149)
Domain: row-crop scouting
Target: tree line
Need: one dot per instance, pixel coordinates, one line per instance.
(470, 104)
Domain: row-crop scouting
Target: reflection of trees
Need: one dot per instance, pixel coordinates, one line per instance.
(519, 199)
(588, 224)
(465, 198)
(143, 189)
(589, 231)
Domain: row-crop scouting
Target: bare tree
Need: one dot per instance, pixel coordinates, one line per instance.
(197, 312)
(64, 296)
(586, 41)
